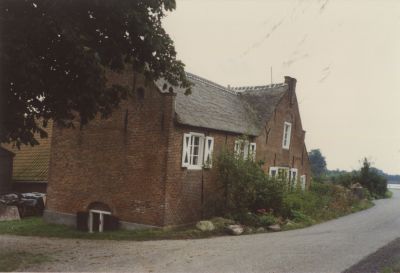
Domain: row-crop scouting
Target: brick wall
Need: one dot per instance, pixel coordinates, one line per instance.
(132, 160)
(269, 143)
(188, 190)
(121, 164)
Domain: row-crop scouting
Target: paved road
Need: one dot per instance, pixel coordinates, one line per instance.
(329, 247)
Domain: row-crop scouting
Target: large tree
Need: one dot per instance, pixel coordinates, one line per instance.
(54, 56)
(317, 162)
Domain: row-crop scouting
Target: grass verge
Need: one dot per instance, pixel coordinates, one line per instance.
(17, 260)
(35, 226)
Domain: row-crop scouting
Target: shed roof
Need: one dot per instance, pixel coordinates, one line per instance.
(243, 110)
(31, 164)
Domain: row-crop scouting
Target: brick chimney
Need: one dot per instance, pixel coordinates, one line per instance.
(291, 82)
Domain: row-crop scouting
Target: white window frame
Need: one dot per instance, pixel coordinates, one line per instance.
(245, 149)
(303, 180)
(293, 182)
(203, 151)
(287, 133)
(253, 151)
(101, 219)
(238, 147)
(271, 169)
(277, 169)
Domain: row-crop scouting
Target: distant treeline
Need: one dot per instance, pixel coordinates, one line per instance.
(391, 178)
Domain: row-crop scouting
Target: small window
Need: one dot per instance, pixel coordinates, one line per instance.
(96, 220)
(273, 171)
(252, 152)
(280, 173)
(287, 128)
(245, 149)
(293, 178)
(196, 147)
(303, 180)
(238, 147)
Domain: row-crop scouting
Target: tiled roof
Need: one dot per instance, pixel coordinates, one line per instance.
(31, 164)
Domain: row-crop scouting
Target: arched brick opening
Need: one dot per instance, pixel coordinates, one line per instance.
(99, 206)
(100, 217)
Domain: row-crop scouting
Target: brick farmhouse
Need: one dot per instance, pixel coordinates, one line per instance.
(151, 162)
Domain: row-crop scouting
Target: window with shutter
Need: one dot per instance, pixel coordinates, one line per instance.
(238, 147)
(303, 181)
(293, 178)
(243, 148)
(252, 152)
(186, 150)
(208, 150)
(281, 173)
(193, 151)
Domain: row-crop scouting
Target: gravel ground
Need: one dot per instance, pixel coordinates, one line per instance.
(329, 247)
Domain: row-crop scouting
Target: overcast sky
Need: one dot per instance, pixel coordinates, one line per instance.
(345, 55)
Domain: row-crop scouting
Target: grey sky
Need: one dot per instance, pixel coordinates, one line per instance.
(344, 54)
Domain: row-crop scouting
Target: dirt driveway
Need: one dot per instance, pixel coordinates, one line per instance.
(329, 247)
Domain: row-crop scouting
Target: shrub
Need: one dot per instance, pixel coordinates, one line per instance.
(246, 218)
(372, 180)
(368, 177)
(221, 223)
(267, 220)
(347, 179)
(245, 186)
(299, 217)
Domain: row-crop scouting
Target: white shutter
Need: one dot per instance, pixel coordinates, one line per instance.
(186, 150)
(245, 150)
(303, 181)
(238, 144)
(293, 177)
(253, 151)
(208, 150)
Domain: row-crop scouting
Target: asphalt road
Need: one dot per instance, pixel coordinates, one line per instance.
(329, 247)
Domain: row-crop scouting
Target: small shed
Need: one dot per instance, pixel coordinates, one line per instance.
(6, 170)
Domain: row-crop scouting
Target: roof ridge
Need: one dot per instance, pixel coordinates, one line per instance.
(257, 87)
(213, 84)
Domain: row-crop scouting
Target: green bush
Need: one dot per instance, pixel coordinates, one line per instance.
(368, 177)
(346, 180)
(372, 180)
(221, 223)
(246, 218)
(251, 198)
(299, 217)
(245, 186)
(267, 220)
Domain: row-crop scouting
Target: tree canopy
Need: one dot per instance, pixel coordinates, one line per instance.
(317, 162)
(54, 56)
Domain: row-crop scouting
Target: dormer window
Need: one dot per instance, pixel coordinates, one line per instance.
(287, 130)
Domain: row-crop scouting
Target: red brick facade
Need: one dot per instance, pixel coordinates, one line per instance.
(132, 161)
